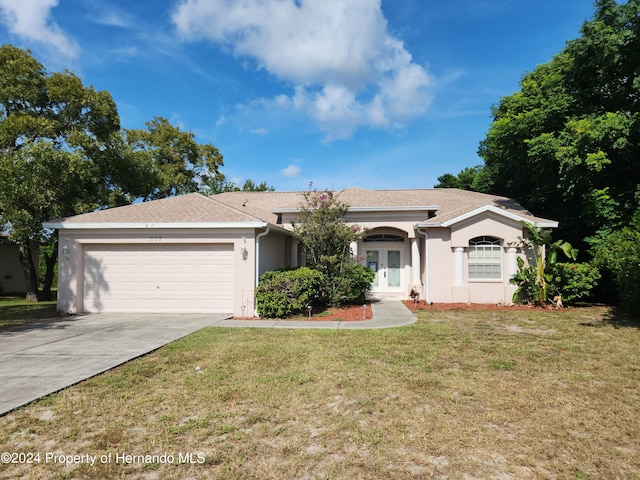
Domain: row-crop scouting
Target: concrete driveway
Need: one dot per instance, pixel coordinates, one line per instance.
(45, 357)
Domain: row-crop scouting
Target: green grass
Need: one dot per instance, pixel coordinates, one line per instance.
(17, 311)
(459, 394)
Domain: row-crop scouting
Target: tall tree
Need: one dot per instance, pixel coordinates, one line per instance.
(59, 151)
(476, 178)
(176, 163)
(220, 184)
(567, 145)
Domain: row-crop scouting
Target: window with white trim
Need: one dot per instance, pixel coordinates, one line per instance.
(485, 258)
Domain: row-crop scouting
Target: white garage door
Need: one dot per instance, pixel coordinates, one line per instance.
(158, 278)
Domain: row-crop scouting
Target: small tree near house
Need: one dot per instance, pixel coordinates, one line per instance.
(534, 279)
(326, 239)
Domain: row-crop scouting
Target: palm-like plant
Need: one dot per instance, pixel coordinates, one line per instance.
(533, 278)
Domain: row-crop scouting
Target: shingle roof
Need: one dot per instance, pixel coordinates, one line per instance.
(190, 208)
(232, 207)
(450, 202)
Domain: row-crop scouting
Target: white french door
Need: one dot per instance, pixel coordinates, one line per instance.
(388, 265)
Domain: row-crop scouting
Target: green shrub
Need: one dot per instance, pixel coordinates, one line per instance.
(574, 280)
(620, 254)
(282, 293)
(348, 286)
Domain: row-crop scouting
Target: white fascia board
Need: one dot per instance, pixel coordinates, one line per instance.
(548, 224)
(372, 209)
(492, 209)
(428, 225)
(150, 225)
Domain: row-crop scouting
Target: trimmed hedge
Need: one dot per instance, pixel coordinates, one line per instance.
(282, 293)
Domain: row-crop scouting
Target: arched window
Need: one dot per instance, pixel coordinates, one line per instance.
(485, 258)
(383, 237)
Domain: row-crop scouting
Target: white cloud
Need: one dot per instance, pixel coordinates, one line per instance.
(259, 131)
(105, 13)
(30, 21)
(347, 70)
(291, 171)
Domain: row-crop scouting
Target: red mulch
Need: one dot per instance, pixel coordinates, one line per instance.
(422, 305)
(352, 313)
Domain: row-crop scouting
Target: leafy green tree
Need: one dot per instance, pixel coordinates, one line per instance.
(176, 162)
(60, 152)
(220, 184)
(326, 239)
(621, 255)
(567, 144)
(476, 179)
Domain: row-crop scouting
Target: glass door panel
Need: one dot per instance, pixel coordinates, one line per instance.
(373, 262)
(393, 268)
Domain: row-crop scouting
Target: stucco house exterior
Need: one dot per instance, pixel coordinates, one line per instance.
(194, 253)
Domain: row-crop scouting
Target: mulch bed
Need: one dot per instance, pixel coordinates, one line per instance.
(356, 313)
(353, 313)
(422, 305)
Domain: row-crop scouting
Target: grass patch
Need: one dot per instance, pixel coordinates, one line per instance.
(459, 394)
(17, 311)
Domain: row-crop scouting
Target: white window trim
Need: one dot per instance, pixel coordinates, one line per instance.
(485, 241)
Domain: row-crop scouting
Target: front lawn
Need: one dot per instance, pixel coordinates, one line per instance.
(459, 394)
(17, 311)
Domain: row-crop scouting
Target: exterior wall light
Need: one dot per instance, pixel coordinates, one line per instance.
(65, 252)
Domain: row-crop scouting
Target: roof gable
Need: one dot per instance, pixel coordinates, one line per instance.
(498, 211)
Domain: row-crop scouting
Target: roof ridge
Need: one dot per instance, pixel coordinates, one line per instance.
(219, 202)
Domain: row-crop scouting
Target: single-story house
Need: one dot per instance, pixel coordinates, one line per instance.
(194, 253)
(11, 272)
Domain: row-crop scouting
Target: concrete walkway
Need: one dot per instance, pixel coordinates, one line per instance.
(386, 314)
(45, 357)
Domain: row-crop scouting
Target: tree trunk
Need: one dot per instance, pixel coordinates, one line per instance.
(50, 263)
(30, 272)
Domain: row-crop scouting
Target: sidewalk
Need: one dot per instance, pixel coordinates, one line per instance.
(387, 313)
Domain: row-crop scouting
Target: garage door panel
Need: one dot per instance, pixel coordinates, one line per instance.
(159, 278)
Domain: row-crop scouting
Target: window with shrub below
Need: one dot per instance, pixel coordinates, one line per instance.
(485, 258)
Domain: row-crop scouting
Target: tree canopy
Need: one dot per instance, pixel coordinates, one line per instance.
(567, 145)
(59, 150)
(174, 161)
(63, 152)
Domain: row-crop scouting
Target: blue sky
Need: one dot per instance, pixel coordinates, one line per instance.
(378, 94)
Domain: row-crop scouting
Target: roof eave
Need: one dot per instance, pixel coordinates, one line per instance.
(62, 225)
(490, 208)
